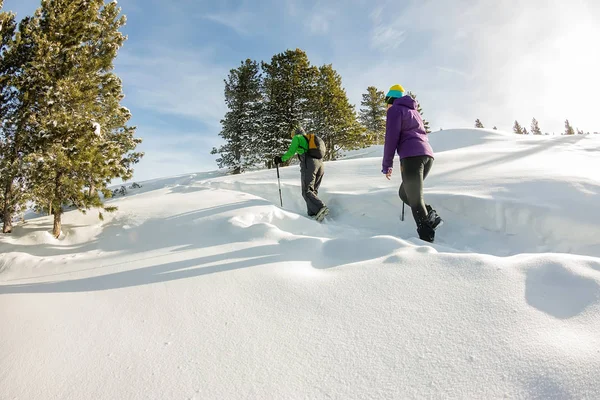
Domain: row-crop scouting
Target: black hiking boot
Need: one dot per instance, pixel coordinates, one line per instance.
(433, 218)
(426, 232)
(427, 225)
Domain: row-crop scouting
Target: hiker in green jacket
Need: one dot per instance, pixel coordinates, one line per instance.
(311, 174)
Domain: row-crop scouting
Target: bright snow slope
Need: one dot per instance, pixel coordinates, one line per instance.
(201, 287)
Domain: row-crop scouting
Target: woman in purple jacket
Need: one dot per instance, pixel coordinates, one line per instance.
(405, 135)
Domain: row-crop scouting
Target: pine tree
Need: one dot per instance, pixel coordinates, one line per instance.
(478, 123)
(580, 132)
(420, 110)
(535, 127)
(517, 128)
(7, 30)
(525, 131)
(494, 128)
(372, 115)
(243, 122)
(332, 116)
(83, 141)
(568, 128)
(13, 58)
(288, 84)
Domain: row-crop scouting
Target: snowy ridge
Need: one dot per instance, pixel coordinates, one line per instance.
(202, 287)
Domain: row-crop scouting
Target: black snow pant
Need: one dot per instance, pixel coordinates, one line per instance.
(311, 175)
(414, 171)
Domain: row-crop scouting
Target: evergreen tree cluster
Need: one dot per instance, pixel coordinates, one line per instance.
(267, 100)
(535, 128)
(63, 133)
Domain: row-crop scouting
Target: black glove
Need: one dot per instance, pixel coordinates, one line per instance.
(278, 160)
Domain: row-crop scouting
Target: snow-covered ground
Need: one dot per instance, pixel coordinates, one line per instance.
(203, 287)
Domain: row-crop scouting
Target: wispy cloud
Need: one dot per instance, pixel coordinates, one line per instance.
(453, 71)
(319, 23)
(239, 20)
(176, 82)
(292, 7)
(385, 36)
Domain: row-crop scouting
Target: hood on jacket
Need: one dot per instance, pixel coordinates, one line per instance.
(406, 101)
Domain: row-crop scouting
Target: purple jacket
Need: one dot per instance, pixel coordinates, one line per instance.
(404, 132)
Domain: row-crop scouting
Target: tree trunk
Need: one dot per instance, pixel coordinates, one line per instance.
(9, 202)
(7, 211)
(237, 154)
(57, 224)
(57, 210)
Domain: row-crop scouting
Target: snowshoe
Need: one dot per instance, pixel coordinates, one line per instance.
(323, 212)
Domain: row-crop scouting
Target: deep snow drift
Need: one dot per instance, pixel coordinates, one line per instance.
(203, 287)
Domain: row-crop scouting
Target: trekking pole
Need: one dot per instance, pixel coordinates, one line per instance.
(402, 219)
(279, 183)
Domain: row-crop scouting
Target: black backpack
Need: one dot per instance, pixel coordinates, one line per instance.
(316, 146)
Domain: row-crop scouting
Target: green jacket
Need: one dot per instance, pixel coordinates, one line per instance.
(299, 145)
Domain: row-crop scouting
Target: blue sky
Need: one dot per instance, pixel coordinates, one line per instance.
(466, 59)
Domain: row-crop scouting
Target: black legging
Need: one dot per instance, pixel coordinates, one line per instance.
(414, 171)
